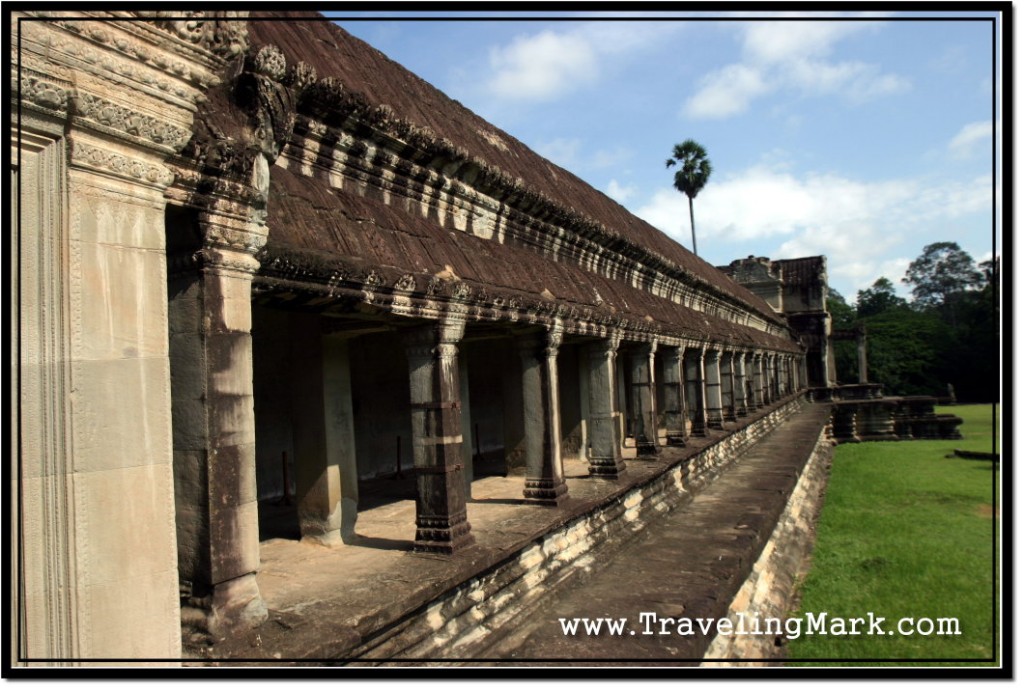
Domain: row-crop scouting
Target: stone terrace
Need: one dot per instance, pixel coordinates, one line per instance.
(377, 600)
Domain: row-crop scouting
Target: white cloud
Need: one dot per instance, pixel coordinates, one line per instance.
(782, 42)
(541, 66)
(726, 92)
(549, 64)
(620, 193)
(781, 55)
(973, 137)
(858, 224)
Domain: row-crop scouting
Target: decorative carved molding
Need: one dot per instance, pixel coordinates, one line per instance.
(223, 33)
(118, 164)
(128, 121)
(37, 89)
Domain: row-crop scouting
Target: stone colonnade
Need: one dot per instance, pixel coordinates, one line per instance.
(701, 388)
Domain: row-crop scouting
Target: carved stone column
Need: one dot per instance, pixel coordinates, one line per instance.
(740, 376)
(432, 351)
(725, 368)
(214, 429)
(545, 483)
(713, 388)
(673, 396)
(102, 102)
(693, 359)
(605, 442)
(645, 414)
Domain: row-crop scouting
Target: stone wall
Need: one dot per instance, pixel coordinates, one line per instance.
(770, 589)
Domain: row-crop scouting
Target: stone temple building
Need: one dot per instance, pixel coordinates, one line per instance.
(798, 290)
(255, 257)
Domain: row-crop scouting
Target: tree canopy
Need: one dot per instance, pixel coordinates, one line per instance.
(945, 335)
(942, 270)
(694, 171)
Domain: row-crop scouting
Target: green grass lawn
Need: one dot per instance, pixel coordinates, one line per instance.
(906, 532)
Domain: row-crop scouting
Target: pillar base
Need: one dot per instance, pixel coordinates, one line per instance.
(647, 448)
(545, 491)
(675, 439)
(233, 606)
(442, 534)
(729, 416)
(610, 468)
(715, 420)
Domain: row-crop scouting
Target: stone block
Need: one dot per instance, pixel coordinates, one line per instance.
(124, 524)
(119, 222)
(232, 475)
(121, 413)
(146, 605)
(123, 305)
(234, 541)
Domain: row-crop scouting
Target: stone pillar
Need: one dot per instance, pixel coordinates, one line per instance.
(862, 356)
(673, 395)
(740, 375)
(432, 351)
(514, 432)
(645, 414)
(545, 483)
(91, 419)
(605, 442)
(713, 388)
(725, 369)
(466, 422)
(215, 430)
(693, 360)
(323, 432)
(757, 370)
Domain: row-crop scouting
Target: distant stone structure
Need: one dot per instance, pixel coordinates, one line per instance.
(797, 289)
(241, 241)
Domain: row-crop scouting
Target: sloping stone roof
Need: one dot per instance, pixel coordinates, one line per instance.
(803, 270)
(309, 217)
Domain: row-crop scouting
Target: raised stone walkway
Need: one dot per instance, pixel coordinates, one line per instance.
(690, 564)
(378, 603)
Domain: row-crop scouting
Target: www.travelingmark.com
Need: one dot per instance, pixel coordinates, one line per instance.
(810, 624)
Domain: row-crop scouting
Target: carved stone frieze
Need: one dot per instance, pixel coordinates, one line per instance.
(109, 48)
(223, 33)
(46, 93)
(118, 164)
(128, 121)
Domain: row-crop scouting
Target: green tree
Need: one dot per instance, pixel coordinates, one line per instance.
(880, 297)
(694, 171)
(942, 271)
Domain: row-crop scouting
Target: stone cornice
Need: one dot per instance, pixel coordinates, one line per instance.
(419, 295)
(370, 159)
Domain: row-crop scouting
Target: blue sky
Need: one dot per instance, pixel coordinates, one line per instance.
(861, 138)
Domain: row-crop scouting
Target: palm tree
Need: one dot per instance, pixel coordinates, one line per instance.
(693, 174)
